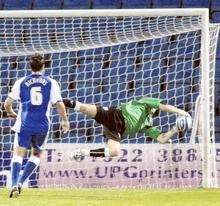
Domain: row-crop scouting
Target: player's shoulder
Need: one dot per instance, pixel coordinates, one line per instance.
(51, 79)
(20, 80)
(54, 83)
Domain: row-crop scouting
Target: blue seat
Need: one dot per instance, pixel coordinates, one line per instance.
(216, 16)
(196, 3)
(105, 99)
(166, 3)
(138, 92)
(64, 79)
(114, 69)
(5, 82)
(80, 92)
(55, 118)
(47, 4)
(114, 100)
(135, 4)
(21, 73)
(76, 4)
(96, 98)
(99, 139)
(6, 122)
(217, 70)
(17, 4)
(217, 123)
(217, 137)
(55, 71)
(218, 52)
(215, 4)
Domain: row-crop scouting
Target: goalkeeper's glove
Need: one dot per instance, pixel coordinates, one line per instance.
(184, 123)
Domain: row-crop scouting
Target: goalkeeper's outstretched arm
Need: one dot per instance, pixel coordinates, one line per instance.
(165, 137)
(172, 109)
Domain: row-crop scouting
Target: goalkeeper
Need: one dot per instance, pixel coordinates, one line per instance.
(128, 119)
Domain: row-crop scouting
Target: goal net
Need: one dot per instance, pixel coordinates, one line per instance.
(108, 58)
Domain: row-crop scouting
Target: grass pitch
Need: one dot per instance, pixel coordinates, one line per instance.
(110, 197)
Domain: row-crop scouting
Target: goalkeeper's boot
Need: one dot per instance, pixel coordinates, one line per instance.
(14, 192)
(19, 188)
(79, 154)
(69, 103)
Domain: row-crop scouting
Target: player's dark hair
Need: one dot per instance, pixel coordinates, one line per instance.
(37, 62)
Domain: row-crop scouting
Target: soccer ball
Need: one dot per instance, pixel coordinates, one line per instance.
(184, 123)
(77, 155)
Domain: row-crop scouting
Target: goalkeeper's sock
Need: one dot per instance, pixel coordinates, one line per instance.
(72, 104)
(15, 169)
(31, 165)
(69, 103)
(101, 152)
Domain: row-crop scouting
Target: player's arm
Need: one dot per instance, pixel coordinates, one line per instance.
(14, 95)
(165, 137)
(172, 109)
(155, 103)
(156, 134)
(62, 112)
(56, 100)
(8, 107)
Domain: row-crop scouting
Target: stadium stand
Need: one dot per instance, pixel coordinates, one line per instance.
(47, 4)
(76, 4)
(16, 4)
(196, 3)
(127, 4)
(101, 4)
(216, 16)
(166, 3)
(214, 6)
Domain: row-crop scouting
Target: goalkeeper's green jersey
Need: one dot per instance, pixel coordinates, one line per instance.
(138, 116)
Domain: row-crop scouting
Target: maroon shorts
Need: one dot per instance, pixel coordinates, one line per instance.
(113, 122)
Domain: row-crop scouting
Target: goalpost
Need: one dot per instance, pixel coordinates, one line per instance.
(110, 57)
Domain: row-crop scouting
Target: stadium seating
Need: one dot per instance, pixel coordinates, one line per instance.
(128, 4)
(215, 4)
(217, 72)
(126, 67)
(216, 16)
(76, 4)
(47, 4)
(102, 4)
(17, 4)
(166, 3)
(196, 3)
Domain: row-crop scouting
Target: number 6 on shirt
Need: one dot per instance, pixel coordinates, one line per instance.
(36, 96)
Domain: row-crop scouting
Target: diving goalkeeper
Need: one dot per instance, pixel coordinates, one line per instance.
(128, 119)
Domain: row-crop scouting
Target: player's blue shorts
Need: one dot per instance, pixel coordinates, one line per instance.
(29, 140)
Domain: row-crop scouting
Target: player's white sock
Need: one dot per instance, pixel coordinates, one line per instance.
(85, 152)
(107, 154)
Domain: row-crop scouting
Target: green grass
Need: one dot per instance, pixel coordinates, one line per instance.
(110, 197)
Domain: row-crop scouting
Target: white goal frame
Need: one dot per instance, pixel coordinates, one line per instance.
(203, 13)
